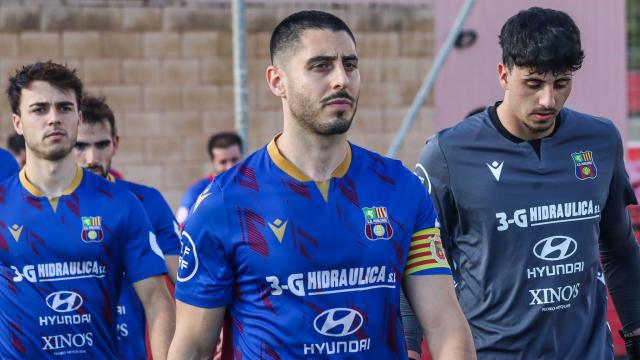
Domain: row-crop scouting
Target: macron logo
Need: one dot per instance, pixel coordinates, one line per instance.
(496, 169)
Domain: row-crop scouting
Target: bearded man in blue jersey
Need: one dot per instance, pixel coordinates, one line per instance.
(95, 148)
(307, 242)
(532, 200)
(67, 236)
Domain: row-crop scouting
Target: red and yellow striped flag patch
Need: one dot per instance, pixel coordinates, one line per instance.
(426, 252)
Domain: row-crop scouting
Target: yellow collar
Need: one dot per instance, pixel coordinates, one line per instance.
(33, 190)
(288, 167)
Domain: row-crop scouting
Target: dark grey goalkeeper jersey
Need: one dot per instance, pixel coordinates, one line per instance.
(522, 232)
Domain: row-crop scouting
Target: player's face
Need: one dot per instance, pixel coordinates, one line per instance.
(323, 82)
(225, 158)
(534, 99)
(95, 147)
(48, 120)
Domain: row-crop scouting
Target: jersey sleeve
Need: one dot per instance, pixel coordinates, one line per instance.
(163, 223)
(619, 249)
(143, 258)
(426, 253)
(432, 169)
(205, 274)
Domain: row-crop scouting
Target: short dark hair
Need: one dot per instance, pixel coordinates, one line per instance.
(95, 110)
(57, 75)
(223, 140)
(286, 36)
(544, 40)
(15, 143)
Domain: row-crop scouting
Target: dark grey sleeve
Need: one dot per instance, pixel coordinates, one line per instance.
(619, 251)
(433, 170)
(411, 325)
(434, 174)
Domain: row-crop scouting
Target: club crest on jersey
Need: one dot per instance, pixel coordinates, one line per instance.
(92, 229)
(377, 226)
(585, 166)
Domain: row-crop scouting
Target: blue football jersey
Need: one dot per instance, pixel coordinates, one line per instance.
(8, 164)
(131, 318)
(62, 261)
(190, 196)
(310, 269)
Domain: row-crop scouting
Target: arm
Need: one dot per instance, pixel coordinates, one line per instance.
(166, 229)
(172, 265)
(619, 250)
(197, 331)
(160, 313)
(435, 304)
(412, 330)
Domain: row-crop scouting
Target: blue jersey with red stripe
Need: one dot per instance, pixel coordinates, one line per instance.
(61, 263)
(310, 269)
(131, 318)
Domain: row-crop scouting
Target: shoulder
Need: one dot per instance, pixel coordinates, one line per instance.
(387, 169)
(96, 188)
(465, 130)
(578, 121)
(144, 193)
(246, 170)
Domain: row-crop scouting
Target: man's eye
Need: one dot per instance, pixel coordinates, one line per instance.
(351, 66)
(320, 66)
(80, 147)
(533, 84)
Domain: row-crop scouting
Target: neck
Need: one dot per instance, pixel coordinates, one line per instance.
(516, 127)
(52, 178)
(315, 155)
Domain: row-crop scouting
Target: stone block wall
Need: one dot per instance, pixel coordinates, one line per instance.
(165, 67)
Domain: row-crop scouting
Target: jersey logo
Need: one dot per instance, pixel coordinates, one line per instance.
(278, 227)
(377, 226)
(92, 229)
(585, 166)
(200, 199)
(16, 231)
(496, 169)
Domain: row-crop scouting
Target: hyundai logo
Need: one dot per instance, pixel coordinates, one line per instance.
(555, 248)
(338, 322)
(64, 301)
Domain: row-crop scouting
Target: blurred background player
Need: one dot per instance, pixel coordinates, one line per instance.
(15, 144)
(8, 164)
(225, 150)
(97, 143)
(281, 239)
(532, 197)
(69, 236)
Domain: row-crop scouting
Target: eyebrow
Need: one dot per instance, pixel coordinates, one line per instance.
(60, 103)
(321, 58)
(101, 142)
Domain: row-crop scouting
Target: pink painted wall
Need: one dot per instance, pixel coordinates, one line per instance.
(469, 77)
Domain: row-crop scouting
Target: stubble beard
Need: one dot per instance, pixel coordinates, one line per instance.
(308, 113)
(55, 153)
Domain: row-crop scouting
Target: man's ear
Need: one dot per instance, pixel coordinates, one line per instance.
(17, 123)
(116, 141)
(503, 76)
(275, 79)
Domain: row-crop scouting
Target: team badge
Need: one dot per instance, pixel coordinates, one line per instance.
(92, 229)
(585, 166)
(377, 226)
